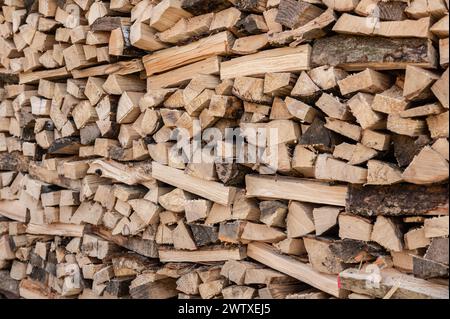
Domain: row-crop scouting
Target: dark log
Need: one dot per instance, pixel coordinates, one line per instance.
(397, 200)
(232, 174)
(407, 287)
(392, 10)
(428, 269)
(14, 162)
(248, 26)
(319, 136)
(294, 14)
(353, 251)
(204, 235)
(438, 250)
(160, 289)
(7, 78)
(89, 133)
(198, 7)
(119, 154)
(39, 275)
(359, 52)
(31, 5)
(65, 146)
(118, 287)
(36, 260)
(52, 177)
(107, 24)
(406, 147)
(129, 50)
(8, 286)
(257, 6)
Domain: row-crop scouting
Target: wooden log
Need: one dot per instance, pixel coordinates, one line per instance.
(208, 189)
(130, 175)
(320, 256)
(8, 286)
(427, 269)
(143, 37)
(333, 107)
(198, 7)
(418, 82)
(184, 74)
(396, 200)
(355, 227)
(288, 188)
(167, 59)
(438, 250)
(294, 14)
(368, 81)
(264, 254)
(337, 49)
(141, 246)
(261, 233)
(276, 60)
(251, 5)
(408, 286)
(186, 29)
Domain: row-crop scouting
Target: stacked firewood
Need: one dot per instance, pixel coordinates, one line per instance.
(349, 199)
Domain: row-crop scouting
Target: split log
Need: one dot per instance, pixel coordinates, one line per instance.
(276, 60)
(266, 255)
(288, 188)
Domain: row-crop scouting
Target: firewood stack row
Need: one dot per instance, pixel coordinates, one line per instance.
(97, 201)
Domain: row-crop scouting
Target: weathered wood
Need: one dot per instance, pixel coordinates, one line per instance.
(395, 200)
(167, 59)
(408, 286)
(351, 53)
(8, 286)
(143, 247)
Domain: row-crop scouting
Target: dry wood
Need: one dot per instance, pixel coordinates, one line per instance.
(266, 255)
(276, 60)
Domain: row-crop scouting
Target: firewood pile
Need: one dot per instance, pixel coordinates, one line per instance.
(224, 149)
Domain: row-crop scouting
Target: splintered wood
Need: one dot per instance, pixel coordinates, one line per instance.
(235, 149)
